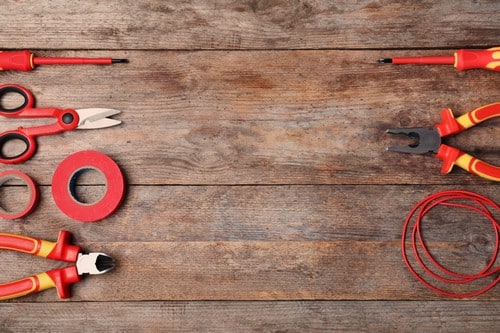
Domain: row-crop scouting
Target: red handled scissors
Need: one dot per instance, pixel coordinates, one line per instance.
(429, 140)
(66, 120)
(59, 278)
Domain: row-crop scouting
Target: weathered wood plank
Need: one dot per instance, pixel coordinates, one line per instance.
(291, 117)
(280, 270)
(317, 316)
(211, 132)
(266, 117)
(259, 213)
(254, 24)
(259, 242)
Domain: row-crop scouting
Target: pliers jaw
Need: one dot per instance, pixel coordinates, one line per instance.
(427, 140)
(94, 263)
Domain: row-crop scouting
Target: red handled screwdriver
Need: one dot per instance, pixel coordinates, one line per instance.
(26, 61)
(462, 59)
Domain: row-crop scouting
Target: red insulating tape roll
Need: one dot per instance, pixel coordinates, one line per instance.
(65, 175)
(32, 188)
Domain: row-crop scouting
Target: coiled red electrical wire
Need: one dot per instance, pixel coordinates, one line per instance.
(459, 199)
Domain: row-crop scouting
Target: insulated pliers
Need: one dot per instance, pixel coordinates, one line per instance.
(60, 278)
(429, 140)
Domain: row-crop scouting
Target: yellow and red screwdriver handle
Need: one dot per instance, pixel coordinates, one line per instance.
(462, 59)
(60, 278)
(27, 61)
(452, 156)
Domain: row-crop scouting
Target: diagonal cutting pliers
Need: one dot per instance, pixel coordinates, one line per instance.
(429, 140)
(60, 278)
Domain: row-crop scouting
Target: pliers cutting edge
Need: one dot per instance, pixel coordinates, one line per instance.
(429, 140)
(60, 278)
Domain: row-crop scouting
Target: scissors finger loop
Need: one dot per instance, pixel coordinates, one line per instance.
(16, 157)
(11, 89)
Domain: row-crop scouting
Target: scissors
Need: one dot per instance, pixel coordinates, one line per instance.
(429, 140)
(66, 120)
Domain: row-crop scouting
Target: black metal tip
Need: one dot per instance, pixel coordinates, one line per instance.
(119, 61)
(425, 140)
(385, 60)
(104, 263)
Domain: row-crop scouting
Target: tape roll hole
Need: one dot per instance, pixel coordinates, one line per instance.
(87, 186)
(15, 195)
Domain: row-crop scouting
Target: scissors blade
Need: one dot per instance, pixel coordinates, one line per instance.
(93, 118)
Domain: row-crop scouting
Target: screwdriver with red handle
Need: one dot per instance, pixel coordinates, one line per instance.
(462, 59)
(27, 61)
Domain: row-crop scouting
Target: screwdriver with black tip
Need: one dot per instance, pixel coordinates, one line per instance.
(27, 61)
(462, 59)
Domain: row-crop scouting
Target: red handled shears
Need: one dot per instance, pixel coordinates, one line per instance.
(60, 278)
(66, 120)
(429, 140)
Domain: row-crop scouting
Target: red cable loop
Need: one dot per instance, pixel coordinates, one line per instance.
(482, 205)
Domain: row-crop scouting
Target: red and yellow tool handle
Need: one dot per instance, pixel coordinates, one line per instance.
(450, 125)
(478, 59)
(61, 250)
(452, 156)
(479, 115)
(59, 278)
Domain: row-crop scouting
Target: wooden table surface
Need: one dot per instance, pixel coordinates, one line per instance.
(260, 196)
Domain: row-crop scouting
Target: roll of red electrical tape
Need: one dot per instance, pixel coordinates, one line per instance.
(33, 193)
(63, 186)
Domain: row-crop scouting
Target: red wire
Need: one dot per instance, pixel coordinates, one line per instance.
(452, 198)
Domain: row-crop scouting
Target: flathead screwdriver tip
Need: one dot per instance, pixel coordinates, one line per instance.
(385, 60)
(119, 61)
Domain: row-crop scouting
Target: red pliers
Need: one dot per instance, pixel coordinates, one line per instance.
(60, 278)
(428, 140)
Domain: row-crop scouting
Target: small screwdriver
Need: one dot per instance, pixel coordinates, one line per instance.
(462, 59)
(27, 61)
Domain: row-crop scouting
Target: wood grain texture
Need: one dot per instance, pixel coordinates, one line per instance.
(249, 24)
(315, 316)
(260, 196)
(261, 213)
(287, 117)
(256, 270)
(261, 243)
